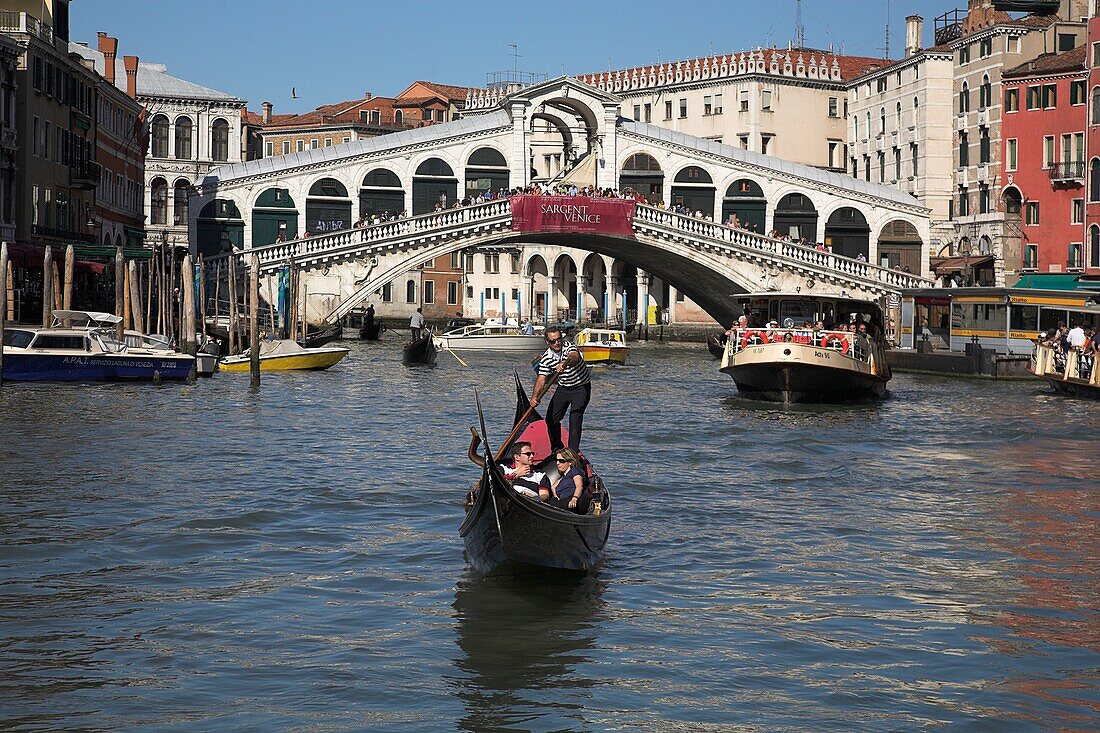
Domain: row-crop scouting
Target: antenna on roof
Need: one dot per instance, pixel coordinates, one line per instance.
(515, 57)
(886, 49)
(799, 30)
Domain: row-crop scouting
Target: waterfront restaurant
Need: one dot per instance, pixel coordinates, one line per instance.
(1005, 320)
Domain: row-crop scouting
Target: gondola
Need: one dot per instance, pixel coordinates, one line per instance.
(322, 337)
(716, 345)
(504, 530)
(371, 331)
(422, 350)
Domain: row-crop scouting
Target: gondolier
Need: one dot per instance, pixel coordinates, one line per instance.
(416, 323)
(563, 361)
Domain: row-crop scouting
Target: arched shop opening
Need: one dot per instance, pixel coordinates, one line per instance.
(220, 228)
(899, 246)
(381, 193)
(693, 188)
(642, 174)
(274, 216)
(847, 233)
(434, 183)
(745, 200)
(486, 170)
(328, 207)
(796, 217)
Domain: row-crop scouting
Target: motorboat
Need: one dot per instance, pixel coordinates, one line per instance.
(281, 355)
(206, 358)
(817, 348)
(490, 336)
(60, 354)
(602, 345)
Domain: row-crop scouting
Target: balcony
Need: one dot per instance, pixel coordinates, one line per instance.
(12, 21)
(66, 234)
(1068, 174)
(84, 175)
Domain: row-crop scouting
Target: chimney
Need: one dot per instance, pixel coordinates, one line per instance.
(979, 14)
(914, 33)
(109, 48)
(267, 112)
(366, 95)
(131, 63)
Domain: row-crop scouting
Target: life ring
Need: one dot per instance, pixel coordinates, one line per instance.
(754, 338)
(832, 341)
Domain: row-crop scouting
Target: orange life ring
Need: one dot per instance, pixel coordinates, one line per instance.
(831, 340)
(757, 338)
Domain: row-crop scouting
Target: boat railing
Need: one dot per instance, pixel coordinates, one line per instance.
(1074, 363)
(847, 343)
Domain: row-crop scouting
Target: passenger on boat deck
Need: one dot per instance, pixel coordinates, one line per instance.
(528, 328)
(525, 479)
(861, 329)
(1076, 337)
(569, 490)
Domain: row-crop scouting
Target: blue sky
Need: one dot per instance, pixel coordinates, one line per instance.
(332, 50)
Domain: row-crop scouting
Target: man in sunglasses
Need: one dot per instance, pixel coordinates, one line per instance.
(522, 473)
(563, 361)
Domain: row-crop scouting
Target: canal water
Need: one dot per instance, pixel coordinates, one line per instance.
(206, 558)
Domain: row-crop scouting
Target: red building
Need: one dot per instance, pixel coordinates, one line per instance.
(1043, 159)
(1092, 207)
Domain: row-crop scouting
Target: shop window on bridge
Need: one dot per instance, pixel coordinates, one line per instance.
(273, 216)
(433, 183)
(642, 174)
(486, 170)
(381, 193)
(692, 188)
(328, 207)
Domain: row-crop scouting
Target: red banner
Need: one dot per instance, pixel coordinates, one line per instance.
(573, 214)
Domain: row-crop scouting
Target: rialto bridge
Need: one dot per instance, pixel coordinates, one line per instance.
(871, 229)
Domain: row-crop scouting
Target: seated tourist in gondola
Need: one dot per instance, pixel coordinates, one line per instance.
(522, 473)
(570, 492)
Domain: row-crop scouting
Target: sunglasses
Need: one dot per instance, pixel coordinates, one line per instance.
(528, 453)
(553, 341)
(562, 460)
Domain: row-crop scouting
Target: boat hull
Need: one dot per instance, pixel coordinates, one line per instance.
(492, 342)
(286, 362)
(1074, 388)
(605, 354)
(504, 529)
(30, 367)
(792, 373)
(421, 351)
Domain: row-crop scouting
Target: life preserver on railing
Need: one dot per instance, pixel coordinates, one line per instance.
(835, 342)
(754, 338)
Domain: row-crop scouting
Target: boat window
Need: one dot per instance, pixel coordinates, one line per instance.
(802, 312)
(977, 317)
(18, 339)
(48, 341)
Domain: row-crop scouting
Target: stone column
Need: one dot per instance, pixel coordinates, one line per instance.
(672, 296)
(611, 297)
(521, 161)
(582, 299)
(643, 300)
(551, 312)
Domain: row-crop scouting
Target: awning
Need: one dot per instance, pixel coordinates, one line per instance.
(30, 257)
(583, 175)
(958, 264)
(1051, 281)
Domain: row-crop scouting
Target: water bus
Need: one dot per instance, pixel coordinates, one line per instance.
(798, 352)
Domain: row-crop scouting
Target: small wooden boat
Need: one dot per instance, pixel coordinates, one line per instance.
(323, 336)
(421, 351)
(603, 345)
(285, 355)
(371, 331)
(716, 345)
(504, 528)
(797, 362)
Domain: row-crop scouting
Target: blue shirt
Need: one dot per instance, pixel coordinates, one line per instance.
(567, 487)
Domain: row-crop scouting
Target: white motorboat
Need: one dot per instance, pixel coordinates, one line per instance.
(810, 350)
(490, 336)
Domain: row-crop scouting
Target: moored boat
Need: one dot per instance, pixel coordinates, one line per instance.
(603, 345)
(85, 355)
(283, 355)
(322, 336)
(1073, 373)
(716, 345)
(802, 360)
(505, 528)
(490, 337)
(421, 350)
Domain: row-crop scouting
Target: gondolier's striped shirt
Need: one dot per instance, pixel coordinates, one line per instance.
(571, 376)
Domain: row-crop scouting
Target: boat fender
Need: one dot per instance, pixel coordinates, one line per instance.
(754, 338)
(836, 343)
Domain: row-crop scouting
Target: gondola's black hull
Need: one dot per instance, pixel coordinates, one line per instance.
(503, 529)
(716, 345)
(370, 332)
(322, 337)
(421, 351)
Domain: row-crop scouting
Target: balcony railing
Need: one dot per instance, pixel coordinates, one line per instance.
(1066, 172)
(62, 234)
(84, 175)
(12, 21)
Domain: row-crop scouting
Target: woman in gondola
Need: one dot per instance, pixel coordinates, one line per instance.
(569, 492)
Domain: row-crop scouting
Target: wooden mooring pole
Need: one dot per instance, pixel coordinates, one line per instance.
(187, 322)
(234, 346)
(120, 294)
(70, 269)
(254, 319)
(135, 298)
(47, 286)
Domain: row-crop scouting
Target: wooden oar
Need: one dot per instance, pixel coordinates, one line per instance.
(460, 361)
